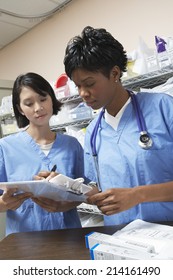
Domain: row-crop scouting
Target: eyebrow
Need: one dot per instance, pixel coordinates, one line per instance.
(30, 98)
(85, 80)
(26, 99)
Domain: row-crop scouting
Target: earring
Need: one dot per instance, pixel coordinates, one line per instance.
(116, 81)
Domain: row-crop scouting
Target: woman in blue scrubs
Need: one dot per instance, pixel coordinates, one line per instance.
(36, 147)
(135, 182)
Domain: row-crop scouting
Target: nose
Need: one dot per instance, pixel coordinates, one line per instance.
(83, 92)
(38, 107)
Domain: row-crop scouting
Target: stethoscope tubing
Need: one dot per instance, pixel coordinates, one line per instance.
(94, 133)
(139, 115)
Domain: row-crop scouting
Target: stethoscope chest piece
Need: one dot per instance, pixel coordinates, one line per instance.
(145, 141)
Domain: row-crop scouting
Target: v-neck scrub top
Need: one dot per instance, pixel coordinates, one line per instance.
(124, 164)
(20, 159)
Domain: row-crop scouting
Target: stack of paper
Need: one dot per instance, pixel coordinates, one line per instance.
(161, 236)
(139, 240)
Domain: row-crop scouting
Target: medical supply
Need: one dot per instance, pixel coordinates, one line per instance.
(107, 252)
(162, 55)
(61, 87)
(8, 126)
(6, 106)
(159, 235)
(94, 238)
(72, 88)
(152, 62)
(81, 111)
(169, 48)
(139, 240)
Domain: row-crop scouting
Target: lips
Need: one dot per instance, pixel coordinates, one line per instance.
(41, 116)
(89, 103)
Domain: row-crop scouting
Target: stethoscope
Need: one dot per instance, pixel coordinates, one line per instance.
(145, 141)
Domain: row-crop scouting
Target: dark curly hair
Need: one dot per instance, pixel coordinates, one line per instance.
(95, 50)
(38, 84)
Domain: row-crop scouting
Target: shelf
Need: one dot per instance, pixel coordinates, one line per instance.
(74, 123)
(70, 98)
(149, 80)
(146, 81)
(7, 116)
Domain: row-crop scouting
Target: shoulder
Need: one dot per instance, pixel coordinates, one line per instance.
(68, 139)
(10, 138)
(156, 103)
(92, 124)
(153, 97)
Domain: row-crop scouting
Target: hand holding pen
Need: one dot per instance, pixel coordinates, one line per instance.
(46, 174)
(52, 173)
(53, 168)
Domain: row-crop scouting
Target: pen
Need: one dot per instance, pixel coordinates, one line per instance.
(53, 168)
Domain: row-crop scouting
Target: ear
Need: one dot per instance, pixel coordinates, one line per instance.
(20, 110)
(115, 73)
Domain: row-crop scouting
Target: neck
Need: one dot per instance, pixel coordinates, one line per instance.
(41, 135)
(115, 106)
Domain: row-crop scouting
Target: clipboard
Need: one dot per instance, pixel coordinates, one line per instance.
(59, 188)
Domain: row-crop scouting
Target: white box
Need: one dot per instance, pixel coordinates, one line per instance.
(107, 252)
(94, 238)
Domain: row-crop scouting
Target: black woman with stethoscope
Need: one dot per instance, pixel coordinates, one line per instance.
(129, 145)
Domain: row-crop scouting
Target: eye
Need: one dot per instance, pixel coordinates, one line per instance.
(28, 104)
(42, 99)
(89, 84)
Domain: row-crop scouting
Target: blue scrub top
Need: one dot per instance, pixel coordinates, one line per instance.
(20, 159)
(123, 163)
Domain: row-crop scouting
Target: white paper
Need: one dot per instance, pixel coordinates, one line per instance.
(161, 236)
(59, 188)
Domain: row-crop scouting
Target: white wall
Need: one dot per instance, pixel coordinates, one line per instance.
(42, 49)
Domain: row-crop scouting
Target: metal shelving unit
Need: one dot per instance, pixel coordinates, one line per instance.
(70, 98)
(8, 121)
(75, 123)
(149, 80)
